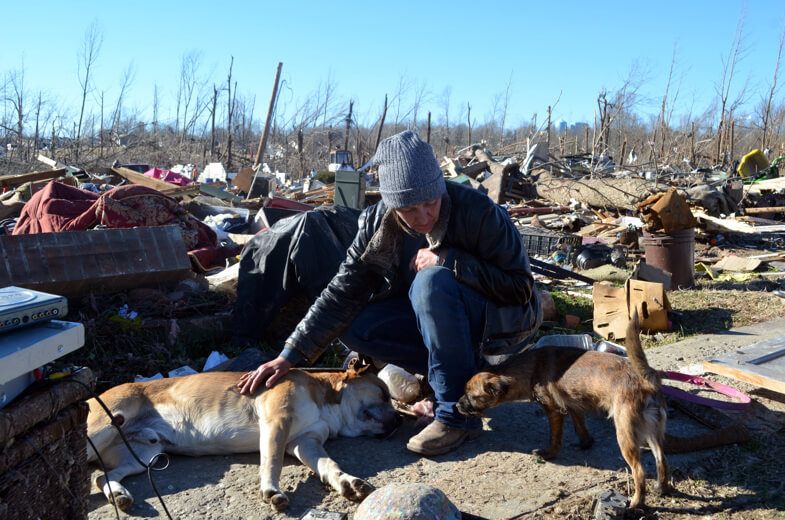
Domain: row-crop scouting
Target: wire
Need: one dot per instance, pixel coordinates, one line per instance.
(106, 476)
(149, 467)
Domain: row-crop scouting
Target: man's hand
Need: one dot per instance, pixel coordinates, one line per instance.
(269, 373)
(424, 258)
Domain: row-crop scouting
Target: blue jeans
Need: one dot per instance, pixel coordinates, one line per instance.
(436, 330)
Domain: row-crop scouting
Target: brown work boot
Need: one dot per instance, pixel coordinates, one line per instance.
(438, 438)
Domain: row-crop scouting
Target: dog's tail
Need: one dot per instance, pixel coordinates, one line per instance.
(636, 355)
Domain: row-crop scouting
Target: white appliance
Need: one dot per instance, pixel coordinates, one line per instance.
(24, 350)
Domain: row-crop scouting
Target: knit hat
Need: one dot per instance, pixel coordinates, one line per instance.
(408, 171)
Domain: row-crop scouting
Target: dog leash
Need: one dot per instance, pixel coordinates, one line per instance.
(742, 400)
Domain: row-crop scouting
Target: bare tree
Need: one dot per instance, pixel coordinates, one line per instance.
(327, 105)
(156, 103)
(188, 92)
(212, 123)
(403, 88)
(724, 90)
(36, 136)
(381, 125)
(765, 110)
(91, 46)
(469, 120)
(505, 104)
(229, 113)
(420, 96)
(125, 84)
(663, 123)
(446, 94)
(17, 99)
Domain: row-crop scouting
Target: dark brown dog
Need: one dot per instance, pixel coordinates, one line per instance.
(575, 381)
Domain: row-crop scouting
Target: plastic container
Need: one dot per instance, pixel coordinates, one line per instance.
(673, 252)
(543, 242)
(583, 341)
(752, 163)
(612, 348)
(403, 386)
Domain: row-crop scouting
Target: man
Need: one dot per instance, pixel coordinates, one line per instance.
(436, 281)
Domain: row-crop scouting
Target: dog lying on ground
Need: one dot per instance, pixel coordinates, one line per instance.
(574, 381)
(204, 414)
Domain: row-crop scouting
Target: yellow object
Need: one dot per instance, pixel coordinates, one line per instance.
(752, 163)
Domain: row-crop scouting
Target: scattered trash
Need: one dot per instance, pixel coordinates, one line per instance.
(139, 378)
(182, 371)
(213, 360)
(403, 386)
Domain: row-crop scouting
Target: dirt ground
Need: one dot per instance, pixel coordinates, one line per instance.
(497, 477)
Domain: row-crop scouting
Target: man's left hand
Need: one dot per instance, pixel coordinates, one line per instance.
(424, 258)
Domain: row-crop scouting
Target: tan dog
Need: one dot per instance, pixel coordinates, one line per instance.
(204, 414)
(575, 381)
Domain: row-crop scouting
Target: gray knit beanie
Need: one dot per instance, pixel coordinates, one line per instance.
(408, 171)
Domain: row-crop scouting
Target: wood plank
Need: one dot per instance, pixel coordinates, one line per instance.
(12, 181)
(761, 364)
(144, 180)
(772, 209)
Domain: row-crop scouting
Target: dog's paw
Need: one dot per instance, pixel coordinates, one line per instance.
(123, 501)
(586, 443)
(116, 493)
(354, 488)
(276, 498)
(543, 454)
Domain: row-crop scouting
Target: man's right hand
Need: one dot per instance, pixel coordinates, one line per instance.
(269, 373)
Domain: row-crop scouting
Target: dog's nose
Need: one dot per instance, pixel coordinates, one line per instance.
(465, 407)
(390, 423)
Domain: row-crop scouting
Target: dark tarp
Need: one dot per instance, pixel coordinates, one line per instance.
(297, 256)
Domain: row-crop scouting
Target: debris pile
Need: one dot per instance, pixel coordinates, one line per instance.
(583, 217)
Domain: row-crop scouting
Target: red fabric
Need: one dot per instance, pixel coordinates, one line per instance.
(59, 207)
(53, 208)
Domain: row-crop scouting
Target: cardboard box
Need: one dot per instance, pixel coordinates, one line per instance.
(613, 308)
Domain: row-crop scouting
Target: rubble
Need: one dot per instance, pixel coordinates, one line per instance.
(583, 218)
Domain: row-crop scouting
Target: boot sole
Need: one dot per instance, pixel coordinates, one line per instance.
(472, 434)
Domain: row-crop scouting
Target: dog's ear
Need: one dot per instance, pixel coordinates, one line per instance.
(496, 386)
(356, 368)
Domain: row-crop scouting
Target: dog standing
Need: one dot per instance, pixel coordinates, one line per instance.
(574, 381)
(205, 414)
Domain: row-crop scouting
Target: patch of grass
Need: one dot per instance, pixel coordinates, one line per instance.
(579, 306)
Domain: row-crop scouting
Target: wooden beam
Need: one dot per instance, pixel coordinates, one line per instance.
(12, 181)
(772, 209)
(144, 180)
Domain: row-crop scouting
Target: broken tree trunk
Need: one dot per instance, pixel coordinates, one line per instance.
(599, 193)
(495, 167)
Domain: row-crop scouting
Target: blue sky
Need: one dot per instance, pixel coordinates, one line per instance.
(472, 50)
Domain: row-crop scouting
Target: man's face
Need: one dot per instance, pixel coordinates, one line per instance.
(421, 217)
